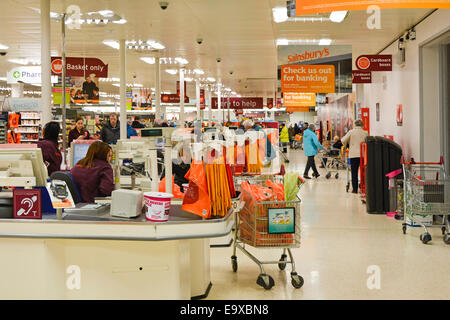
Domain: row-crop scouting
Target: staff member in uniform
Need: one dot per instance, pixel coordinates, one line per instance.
(79, 132)
(353, 138)
(93, 174)
(49, 146)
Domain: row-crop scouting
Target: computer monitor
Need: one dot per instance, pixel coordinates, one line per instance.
(16, 159)
(78, 150)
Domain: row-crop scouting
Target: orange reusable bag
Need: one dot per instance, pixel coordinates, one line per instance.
(196, 199)
(278, 189)
(175, 188)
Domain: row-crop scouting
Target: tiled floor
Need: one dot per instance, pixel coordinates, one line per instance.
(339, 243)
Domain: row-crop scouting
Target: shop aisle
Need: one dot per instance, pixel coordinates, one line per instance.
(339, 242)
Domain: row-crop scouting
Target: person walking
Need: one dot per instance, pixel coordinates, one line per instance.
(284, 138)
(291, 132)
(353, 139)
(311, 145)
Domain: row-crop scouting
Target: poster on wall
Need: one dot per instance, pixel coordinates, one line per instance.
(337, 115)
(141, 99)
(377, 109)
(399, 115)
(79, 91)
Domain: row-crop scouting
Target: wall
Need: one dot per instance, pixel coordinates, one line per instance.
(401, 86)
(309, 117)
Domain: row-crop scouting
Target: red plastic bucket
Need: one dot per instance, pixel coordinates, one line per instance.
(157, 205)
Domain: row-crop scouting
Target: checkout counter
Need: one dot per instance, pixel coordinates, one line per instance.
(93, 255)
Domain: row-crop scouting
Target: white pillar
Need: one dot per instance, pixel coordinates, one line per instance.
(209, 106)
(197, 98)
(46, 98)
(182, 94)
(157, 88)
(17, 90)
(123, 90)
(219, 102)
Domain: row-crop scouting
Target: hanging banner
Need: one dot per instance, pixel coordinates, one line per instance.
(378, 62)
(269, 103)
(308, 78)
(202, 99)
(172, 98)
(304, 7)
(359, 76)
(297, 109)
(239, 103)
(295, 99)
(80, 67)
(178, 88)
(141, 99)
(79, 91)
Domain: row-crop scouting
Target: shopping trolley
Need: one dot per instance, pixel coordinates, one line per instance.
(297, 142)
(427, 197)
(330, 166)
(257, 224)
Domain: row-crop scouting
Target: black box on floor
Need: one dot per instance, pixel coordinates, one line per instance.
(383, 156)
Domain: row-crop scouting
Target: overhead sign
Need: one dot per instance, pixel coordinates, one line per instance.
(172, 98)
(24, 104)
(296, 99)
(202, 99)
(379, 62)
(297, 109)
(269, 103)
(359, 76)
(307, 78)
(80, 67)
(239, 103)
(304, 7)
(300, 54)
(24, 74)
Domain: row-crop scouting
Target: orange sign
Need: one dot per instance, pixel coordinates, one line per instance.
(307, 78)
(297, 109)
(318, 6)
(295, 99)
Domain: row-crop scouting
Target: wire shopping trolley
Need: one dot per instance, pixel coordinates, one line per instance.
(268, 224)
(427, 197)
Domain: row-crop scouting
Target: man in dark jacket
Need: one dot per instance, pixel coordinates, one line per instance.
(111, 130)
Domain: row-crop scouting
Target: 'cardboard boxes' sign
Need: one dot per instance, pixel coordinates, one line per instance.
(359, 76)
(378, 62)
(308, 78)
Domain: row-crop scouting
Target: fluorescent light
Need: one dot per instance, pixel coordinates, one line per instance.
(172, 71)
(324, 42)
(199, 71)
(121, 21)
(280, 14)
(188, 79)
(282, 42)
(24, 61)
(181, 61)
(156, 45)
(149, 60)
(228, 89)
(338, 16)
(3, 47)
(3, 78)
(106, 13)
(211, 79)
(53, 15)
(112, 43)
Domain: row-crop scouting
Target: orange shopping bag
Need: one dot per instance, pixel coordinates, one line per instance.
(175, 188)
(196, 199)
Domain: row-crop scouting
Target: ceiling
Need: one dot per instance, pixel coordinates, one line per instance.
(241, 33)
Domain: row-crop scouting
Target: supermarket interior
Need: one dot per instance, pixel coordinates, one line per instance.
(309, 155)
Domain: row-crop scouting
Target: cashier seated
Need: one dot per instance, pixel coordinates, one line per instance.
(93, 174)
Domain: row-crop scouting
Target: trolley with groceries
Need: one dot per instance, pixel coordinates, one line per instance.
(335, 159)
(427, 197)
(297, 142)
(264, 221)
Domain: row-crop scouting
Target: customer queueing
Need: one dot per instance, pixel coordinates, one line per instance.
(311, 145)
(49, 146)
(111, 130)
(93, 174)
(353, 138)
(79, 132)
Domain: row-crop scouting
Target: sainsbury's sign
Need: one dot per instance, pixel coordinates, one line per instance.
(309, 55)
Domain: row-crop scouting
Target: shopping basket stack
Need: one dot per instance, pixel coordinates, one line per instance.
(264, 221)
(427, 197)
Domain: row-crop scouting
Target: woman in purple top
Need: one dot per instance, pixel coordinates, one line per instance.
(49, 146)
(79, 132)
(93, 174)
